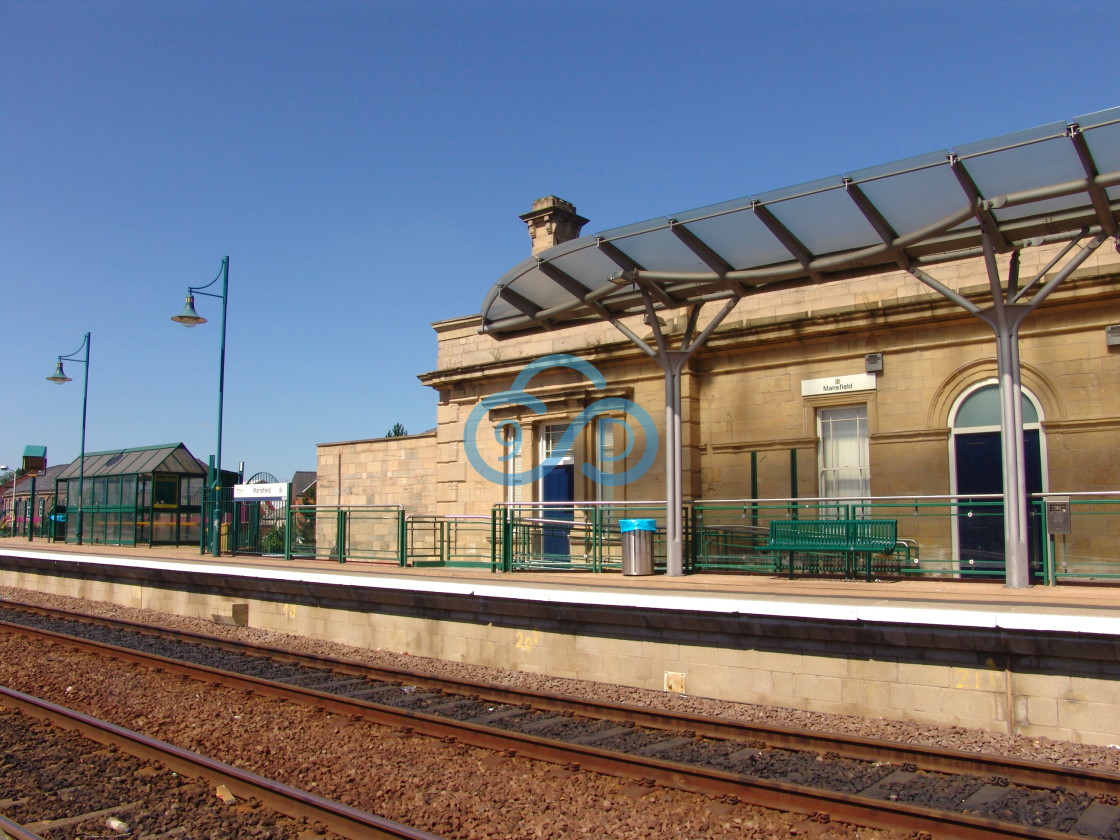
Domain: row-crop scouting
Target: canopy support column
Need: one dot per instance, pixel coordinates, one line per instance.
(1008, 310)
(673, 363)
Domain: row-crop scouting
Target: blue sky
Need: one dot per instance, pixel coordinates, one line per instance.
(363, 165)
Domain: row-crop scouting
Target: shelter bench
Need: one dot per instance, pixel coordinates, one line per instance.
(850, 538)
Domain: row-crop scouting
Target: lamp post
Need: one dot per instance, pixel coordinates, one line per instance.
(59, 377)
(189, 318)
(12, 512)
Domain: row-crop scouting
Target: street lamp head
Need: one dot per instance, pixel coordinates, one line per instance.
(188, 317)
(59, 376)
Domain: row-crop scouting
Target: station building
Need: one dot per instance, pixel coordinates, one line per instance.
(874, 387)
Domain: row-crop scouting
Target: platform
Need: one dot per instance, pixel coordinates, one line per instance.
(1040, 661)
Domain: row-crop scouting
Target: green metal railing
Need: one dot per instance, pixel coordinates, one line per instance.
(464, 541)
(1090, 552)
(373, 534)
(933, 536)
(732, 535)
(939, 537)
(566, 536)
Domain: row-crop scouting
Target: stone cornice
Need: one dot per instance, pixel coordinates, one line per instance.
(916, 436)
(773, 445)
(1102, 424)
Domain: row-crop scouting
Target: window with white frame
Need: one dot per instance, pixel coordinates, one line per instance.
(604, 455)
(512, 436)
(844, 453)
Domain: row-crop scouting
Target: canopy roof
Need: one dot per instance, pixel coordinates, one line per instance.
(1051, 183)
(165, 458)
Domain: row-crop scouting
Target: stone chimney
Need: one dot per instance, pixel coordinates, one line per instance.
(552, 221)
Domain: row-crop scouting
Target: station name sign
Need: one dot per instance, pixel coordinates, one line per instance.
(838, 384)
(260, 492)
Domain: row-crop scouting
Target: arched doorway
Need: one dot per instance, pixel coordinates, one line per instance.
(977, 467)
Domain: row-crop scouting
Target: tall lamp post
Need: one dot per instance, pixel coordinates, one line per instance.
(189, 318)
(59, 377)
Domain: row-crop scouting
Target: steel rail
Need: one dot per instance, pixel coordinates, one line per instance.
(934, 759)
(765, 793)
(298, 804)
(15, 831)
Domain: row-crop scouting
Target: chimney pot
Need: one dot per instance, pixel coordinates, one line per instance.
(552, 221)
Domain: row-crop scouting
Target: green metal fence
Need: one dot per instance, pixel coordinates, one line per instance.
(938, 537)
(1090, 552)
(373, 534)
(949, 537)
(464, 541)
(567, 536)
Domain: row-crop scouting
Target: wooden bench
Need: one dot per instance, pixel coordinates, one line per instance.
(850, 538)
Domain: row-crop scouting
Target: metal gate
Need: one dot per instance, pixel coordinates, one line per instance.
(260, 512)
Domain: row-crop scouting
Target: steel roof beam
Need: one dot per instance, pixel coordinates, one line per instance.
(527, 307)
(575, 288)
(983, 208)
(612, 252)
(706, 255)
(784, 235)
(1096, 192)
(882, 227)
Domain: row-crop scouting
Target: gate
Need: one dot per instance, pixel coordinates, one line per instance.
(260, 511)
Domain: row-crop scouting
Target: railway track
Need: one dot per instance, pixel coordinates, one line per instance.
(98, 791)
(939, 793)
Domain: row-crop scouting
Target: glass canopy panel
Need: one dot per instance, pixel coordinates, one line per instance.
(1027, 136)
(1109, 115)
(1104, 144)
(541, 290)
(740, 238)
(588, 265)
(1034, 166)
(634, 229)
(914, 199)
(826, 222)
(495, 308)
(660, 249)
(499, 309)
(1030, 167)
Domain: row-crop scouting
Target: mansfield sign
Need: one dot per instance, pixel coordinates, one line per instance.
(838, 384)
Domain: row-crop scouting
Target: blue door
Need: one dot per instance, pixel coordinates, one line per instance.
(557, 486)
(980, 539)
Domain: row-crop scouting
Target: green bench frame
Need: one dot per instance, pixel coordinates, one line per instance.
(849, 537)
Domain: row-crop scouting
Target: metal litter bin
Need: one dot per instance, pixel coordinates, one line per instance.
(637, 545)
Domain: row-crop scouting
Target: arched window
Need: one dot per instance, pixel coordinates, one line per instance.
(980, 409)
(976, 454)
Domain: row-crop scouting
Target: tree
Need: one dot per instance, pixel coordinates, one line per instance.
(397, 431)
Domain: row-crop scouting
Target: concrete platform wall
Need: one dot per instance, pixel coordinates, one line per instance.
(1064, 686)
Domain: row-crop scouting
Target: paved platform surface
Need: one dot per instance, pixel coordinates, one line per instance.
(1078, 608)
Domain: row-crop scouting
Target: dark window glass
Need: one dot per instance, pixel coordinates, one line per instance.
(165, 493)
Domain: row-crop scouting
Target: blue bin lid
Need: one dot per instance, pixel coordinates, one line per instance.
(625, 525)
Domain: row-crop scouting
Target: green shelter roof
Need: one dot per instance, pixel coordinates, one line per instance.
(165, 458)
